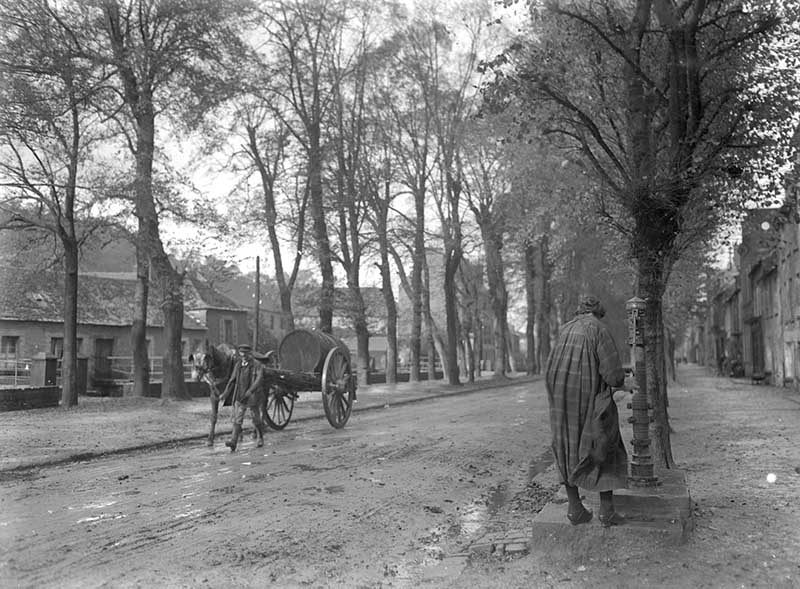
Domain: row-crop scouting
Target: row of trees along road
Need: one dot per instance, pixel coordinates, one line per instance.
(681, 111)
(403, 140)
(353, 116)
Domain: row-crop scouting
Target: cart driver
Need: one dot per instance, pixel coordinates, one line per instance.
(247, 385)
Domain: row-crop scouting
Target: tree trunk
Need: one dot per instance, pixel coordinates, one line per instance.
(360, 327)
(498, 296)
(138, 87)
(267, 184)
(417, 286)
(324, 255)
(171, 286)
(651, 284)
(531, 360)
(452, 261)
(469, 358)
(141, 363)
(478, 343)
(391, 308)
(670, 356)
(430, 327)
(430, 346)
(69, 359)
(541, 282)
(169, 282)
(451, 312)
(362, 343)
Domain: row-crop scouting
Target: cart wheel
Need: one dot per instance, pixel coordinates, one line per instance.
(338, 390)
(280, 403)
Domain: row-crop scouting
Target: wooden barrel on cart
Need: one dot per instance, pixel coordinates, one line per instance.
(305, 350)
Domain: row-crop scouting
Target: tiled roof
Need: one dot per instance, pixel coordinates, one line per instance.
(199, 295)
(103, 299)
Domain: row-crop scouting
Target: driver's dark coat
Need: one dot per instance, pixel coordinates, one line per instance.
(246, 382)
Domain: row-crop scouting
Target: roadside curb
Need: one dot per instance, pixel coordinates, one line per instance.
(661, 515)
(372, 405)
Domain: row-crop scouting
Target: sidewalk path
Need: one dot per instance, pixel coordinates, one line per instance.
(105, 425)
(729, 435)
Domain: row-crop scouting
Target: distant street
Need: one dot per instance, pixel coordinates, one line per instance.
(376, 503)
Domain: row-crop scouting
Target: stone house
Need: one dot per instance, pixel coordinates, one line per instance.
(224, 319)
(31, 318)
(753, 314)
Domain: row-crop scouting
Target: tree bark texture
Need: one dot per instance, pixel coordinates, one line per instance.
(141, 362)
(531, 358)
(541, 293)
(138, 81)
(417, 285)
(430, 326)
(389, 300)
(498, 295)
(651, 288)
(69, 359)
(323, 246)
(169, 282)
(452, 261)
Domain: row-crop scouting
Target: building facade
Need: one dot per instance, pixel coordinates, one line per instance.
(752, 323)
(31, 319)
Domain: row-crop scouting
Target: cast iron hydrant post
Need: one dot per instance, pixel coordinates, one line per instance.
(642, 462)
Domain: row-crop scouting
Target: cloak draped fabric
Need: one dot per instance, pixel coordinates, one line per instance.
(581, 369)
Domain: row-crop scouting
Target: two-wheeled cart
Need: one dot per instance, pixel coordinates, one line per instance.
(309, 360)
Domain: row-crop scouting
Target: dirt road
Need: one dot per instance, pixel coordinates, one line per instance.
(375, 504)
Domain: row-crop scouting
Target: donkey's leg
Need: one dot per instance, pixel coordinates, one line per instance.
(214, 413)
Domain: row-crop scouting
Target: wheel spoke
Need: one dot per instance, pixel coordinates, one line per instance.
(279, 408)
(337, 406)
(336, 396)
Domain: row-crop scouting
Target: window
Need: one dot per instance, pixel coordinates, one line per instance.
(57, 347)
(228, 331)
(9, 346)
(103, 351)
(272, 321)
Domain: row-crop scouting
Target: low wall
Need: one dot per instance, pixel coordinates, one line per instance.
(29, 398)
(380, 377)
(14, 399)
(195, 389)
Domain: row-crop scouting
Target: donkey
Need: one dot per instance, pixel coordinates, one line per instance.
(213, 365)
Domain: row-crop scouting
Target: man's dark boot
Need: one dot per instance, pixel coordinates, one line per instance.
(210, 440)
(237, 431)
(260, 428)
